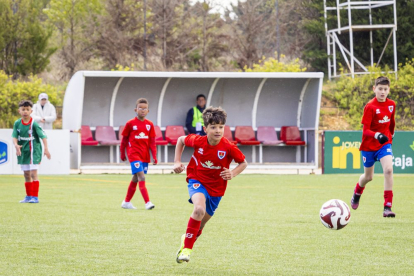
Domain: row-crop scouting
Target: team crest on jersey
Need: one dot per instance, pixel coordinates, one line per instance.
(196, 185)
(221, 154)
(364, 158)
(134, 128)
(136, 165)
(148, 127)
(391, 108)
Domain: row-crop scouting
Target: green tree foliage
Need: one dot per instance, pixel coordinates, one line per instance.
(274, 65)
(13, 91)
(24, 39)
(353, 94)
(74, 22)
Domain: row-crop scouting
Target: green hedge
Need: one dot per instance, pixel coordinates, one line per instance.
(12, 92)
(352, 95)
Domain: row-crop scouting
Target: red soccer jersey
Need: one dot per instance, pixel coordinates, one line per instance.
(379, 117)
(139, 134)
(209, 161)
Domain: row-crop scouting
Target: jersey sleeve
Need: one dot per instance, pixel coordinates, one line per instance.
(152, 131)
(127, 130)
(39, 130)
(237, 155)
(367, 116)
(191, 140)
(14, 134)
(392, 123)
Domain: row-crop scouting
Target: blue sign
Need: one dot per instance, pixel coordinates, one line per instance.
(3, 153)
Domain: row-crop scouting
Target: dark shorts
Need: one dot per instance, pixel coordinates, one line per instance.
(212, 202)
(370, 157)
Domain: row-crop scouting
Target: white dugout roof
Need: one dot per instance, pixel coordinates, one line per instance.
(257, 99)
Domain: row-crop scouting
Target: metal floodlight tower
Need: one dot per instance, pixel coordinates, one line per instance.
(332, 34)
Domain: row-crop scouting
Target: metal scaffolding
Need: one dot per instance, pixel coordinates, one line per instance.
(333, 35)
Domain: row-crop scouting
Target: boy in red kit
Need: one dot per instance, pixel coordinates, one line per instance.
(207, 174)
(138, 139)
(378, 130)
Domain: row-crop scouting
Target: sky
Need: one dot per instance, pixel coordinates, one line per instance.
(219, 4)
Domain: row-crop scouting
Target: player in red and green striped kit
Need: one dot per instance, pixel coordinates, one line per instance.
(26, 139)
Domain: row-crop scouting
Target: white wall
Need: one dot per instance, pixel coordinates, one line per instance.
(58, 143)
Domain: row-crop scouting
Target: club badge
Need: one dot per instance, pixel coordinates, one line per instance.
(221, 154)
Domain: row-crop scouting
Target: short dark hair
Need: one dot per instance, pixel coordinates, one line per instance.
(214, 115)
(201, 96)
(383, 81)
(25, 103)
(142, 100)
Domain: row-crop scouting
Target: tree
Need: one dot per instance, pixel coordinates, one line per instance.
(24, 40)
(253, 34)
(120, 34)
(74, 22)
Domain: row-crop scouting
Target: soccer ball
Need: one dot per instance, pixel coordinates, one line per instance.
(335, 214)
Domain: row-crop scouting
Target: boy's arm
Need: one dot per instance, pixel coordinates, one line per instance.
(122, 147)
(226, 174)
(153, 149)
(392, 124)
(47, 153)
(179, 148)
(17, 146)
(366, 121)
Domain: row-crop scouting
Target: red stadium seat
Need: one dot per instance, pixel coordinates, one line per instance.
(267, 136)
(86, 137)
(172, 133)
(159, 140)
(244, 135)
(290, 135)
(229, 135)
(106, 136)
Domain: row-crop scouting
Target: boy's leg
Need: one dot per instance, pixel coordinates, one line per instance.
(206, 218)
(387, 168)
(194, 223)
(28, 185)
(360, 186)
(126, 204)
(35, 187)
(193, 227)
(132, 188)
(144, 191)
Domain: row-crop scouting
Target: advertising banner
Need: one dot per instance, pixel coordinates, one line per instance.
(341, 152)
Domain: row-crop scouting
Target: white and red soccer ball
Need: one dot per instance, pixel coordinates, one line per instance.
(335, 214)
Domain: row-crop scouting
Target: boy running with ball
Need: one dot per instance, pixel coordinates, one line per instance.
(207, 174)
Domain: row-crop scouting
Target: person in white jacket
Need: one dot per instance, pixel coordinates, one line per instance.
(44, 113)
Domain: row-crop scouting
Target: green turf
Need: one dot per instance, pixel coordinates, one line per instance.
(265, 225)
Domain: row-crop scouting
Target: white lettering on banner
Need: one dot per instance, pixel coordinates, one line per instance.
(402, 162)
(347, 145)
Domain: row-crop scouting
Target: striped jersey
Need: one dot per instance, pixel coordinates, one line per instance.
(28, 136)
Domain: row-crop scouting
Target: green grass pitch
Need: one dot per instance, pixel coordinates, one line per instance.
(265, 225)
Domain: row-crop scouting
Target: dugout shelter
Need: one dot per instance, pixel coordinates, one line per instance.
(107, 98)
